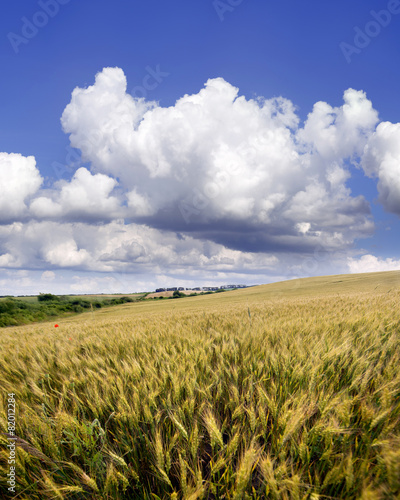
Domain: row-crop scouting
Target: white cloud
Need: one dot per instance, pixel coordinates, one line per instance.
(303, 227)
(214, 186)
(370, 264)
(19, 180)
(215, 161)
(8, 260)
(65, 254)
(85, 196)
(139, 204)
(120, 247)
(382, 160)
(29, 282)
(341, 132)
(102, 116)
(48, 276)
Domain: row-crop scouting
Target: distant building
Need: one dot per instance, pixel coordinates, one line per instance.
(200, 289)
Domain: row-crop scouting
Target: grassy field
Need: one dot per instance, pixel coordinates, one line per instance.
(283, 391)
(16, 311)
(107, 296)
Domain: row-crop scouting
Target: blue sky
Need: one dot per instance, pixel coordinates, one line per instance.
(245, 231)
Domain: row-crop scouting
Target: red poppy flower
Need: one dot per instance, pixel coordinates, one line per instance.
(55, 326)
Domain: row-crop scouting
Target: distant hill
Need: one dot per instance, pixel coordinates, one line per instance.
(336, 284)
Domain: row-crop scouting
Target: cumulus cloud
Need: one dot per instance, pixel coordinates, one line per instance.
(381, 160)
(86, 196)
(38, 244)
(238, 172)
(8, 260)
(370, 264)
(19, 180)
(107, 105)
(215, 185)
(119, 247)
(341, 132)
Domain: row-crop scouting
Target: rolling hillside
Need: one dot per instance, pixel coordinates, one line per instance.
(282, 391)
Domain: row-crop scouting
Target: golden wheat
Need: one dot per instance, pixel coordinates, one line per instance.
(189, 399)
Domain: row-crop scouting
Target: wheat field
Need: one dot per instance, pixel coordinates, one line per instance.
(284, 391)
